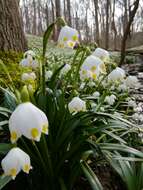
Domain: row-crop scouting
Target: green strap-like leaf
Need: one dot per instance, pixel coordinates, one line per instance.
(46, 37)
(90, 175)
(4, 181)
(4, 148)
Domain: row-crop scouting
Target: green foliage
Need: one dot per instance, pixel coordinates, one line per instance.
(74, 140)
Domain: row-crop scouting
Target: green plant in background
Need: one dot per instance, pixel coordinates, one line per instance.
(59, 132)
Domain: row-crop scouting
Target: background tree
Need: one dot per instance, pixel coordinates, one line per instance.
(127, 30)
(11, 31)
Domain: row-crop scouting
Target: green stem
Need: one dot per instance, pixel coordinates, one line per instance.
(47, 155)
(40, 157)
(43, 75)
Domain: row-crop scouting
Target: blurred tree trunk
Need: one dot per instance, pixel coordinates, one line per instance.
(113, 25)
(26, 17)
(34, 18)
(47, 14)
(69, 12)
(65, 15)
(107, 25)
(58, 14)
(96, 22)
(40, 29)
(11, 31)
(127, 31)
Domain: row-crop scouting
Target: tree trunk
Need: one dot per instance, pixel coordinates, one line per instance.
(69, 12)
(11, 31)
(107, 25)
(96, 21)
(58, 14)
(127, 31)
(40, 28)
(113, 25)
(34, 19)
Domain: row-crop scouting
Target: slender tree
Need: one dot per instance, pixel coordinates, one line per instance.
(107, 25)
(96, 21)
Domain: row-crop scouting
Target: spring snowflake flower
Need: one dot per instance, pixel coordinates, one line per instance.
(91, 68)
(77, 105)
(28, 76)
(110, 99)
(132, 103)
(117, 74)
(102, 54)
(132, 82)
(122, 87)
(48, 75)
(29, 60)
(82, 85)
(68, 37)
(96, 94)
(27, 120)
(15, 161)
(65, 69)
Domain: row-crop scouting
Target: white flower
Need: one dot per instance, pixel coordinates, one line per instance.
(30, 52)
(132, 103)
(102, 109)
(102, 54)
(110, 99)
(138, 117)
(93, 105)
(117, 74)
(91, 84)
(132, 82)
(15, 161)
(82, 85)
(77, 105)
(68, 37)
(96, 94)
(65, 69)
(122, 87)
(28, 76)
(27, 120)
(48, 75)
(91, 68)
(138, 109)
(29, 61)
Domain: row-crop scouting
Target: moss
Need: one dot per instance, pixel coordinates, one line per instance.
(11, 61)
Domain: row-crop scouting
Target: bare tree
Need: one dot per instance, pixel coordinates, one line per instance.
(127, 30)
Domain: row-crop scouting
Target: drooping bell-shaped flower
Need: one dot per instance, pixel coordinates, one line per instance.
(110, 99)
(77, 105)
(27, 120)
(48, 75)
(15, 161)
(102, 54)
(65, 69)
(117, 74)
(92, 67)
(68, 37)
(30, 52)
(29, 60)
(28, 76)
(132, 82)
